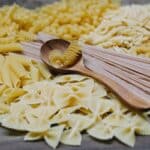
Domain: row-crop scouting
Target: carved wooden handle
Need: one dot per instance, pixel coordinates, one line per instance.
(130, 81)
(135, 99)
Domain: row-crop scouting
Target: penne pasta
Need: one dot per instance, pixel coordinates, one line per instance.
(35, 74)
(1, 64)
(21, 59)
(43, 70)
(7, 40)
(2, 88)
(17, 68)
(26, 82)
(1, 81)
(5, 73)
(25, 36)
(16, 82)
(11, 47)
(13, 94)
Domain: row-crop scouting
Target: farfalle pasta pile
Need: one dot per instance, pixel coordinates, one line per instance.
(58, 111)
(125, 30)
(21, 24)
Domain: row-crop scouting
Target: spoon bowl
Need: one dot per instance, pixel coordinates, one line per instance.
(61, 45)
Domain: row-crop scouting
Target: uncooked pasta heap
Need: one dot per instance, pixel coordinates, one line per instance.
(19, 70)
(58, 111)
(67, 19)
(125, 30)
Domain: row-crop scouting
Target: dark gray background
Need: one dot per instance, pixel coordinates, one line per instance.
(10, 140)
(35, 3)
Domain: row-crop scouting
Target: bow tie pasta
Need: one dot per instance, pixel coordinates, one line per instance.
(56, 112)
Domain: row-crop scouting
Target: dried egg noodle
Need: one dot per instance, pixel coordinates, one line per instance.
(59, 110)
(125, 30)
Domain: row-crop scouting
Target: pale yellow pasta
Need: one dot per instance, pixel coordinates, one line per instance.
(17, 68)
(79, 122)
(25, 36)
(53, 136)
(69, 78)
(21, 59)
(74, 140)
(35, 74)
(2, 59)
(7, 40)
(18, 121)
(64, 96)
(63, 113)
(60, 109)
(26, 82)
(21, 24)
(8, 94)
(1, 80)
(125, 135)
(32, 136)
(20, 70)
(10, 12)
(16, 82)
(44, 72)
(125, 30)
(101, 131)
(5, 73)
(10, 47)
(4, 108)
(2, 89)
(12, 94)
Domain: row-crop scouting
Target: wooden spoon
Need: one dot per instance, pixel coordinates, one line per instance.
(110, 80)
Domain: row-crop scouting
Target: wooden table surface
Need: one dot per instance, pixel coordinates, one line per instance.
(10, 140)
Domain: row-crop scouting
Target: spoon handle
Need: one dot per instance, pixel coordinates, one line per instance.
(131, 95)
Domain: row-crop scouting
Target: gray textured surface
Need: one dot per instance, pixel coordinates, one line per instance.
(10, 140)
(26, 3)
